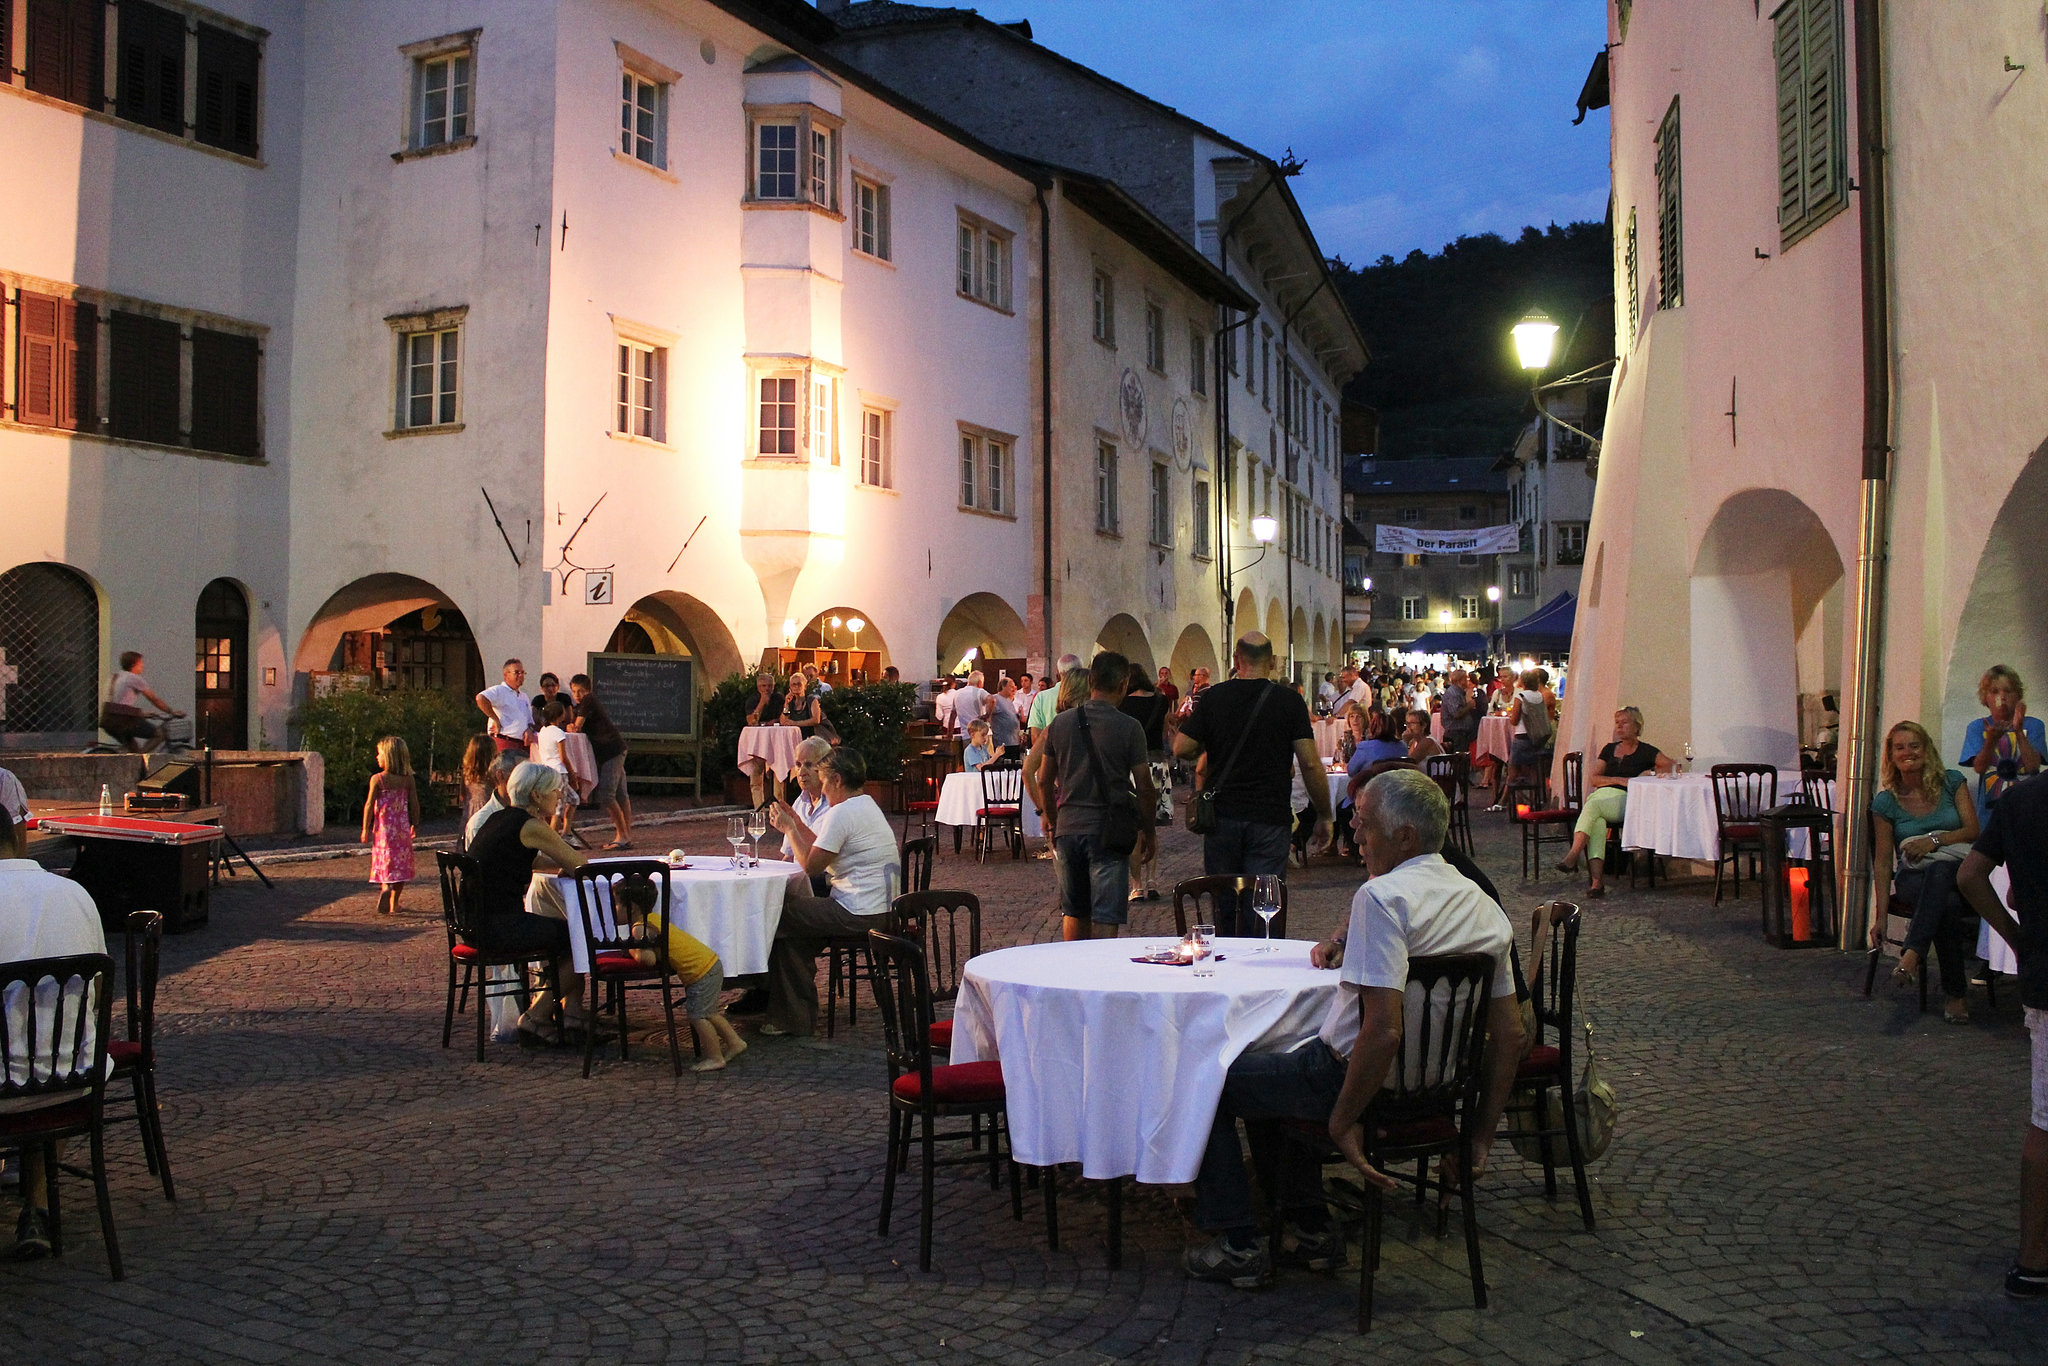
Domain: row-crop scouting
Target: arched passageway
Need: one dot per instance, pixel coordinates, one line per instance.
(2005, 616)
(843, 642)
(985, 624)
(1123, 634)
(1194, 650)
(672, 623)
(50, 663)
(395, 630)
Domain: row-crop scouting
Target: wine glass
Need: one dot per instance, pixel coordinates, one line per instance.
(1266, 893)
(757, 826)
(1688, 755)
(736, 835)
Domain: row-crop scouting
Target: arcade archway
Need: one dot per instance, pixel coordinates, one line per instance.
(985, 624)
(672, 623)
(392, 631)
(1123, 634)
(49, 656)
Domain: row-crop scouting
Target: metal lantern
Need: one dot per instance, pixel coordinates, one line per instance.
(1796, 893)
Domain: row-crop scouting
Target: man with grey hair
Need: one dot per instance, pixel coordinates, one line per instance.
(1414, 905)
(497, 775)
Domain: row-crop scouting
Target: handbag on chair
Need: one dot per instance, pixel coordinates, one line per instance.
(1597, 1109)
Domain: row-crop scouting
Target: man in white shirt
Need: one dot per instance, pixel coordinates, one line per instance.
(13, 797)
(854, 845)
(1326, 693)
(41, 916)
(1352, 691)
(942, 706)
(1415, 905)
(510, 712)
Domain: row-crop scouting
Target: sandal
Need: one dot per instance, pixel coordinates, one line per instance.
(1903, 976)
(1566, 865)
(1957, 1017)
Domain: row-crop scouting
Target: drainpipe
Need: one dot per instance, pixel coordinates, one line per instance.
(1873, 519)
(1045, 417)
(1226, 467)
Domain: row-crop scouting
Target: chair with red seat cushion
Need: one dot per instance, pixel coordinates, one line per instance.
(55, 1061)
(1742, 792)
(1548, 1066)
(134, 1057)
(921, 1092)
(917, 790)
(460, 918)
(1555, 819)
(1001, 808)
(1427, 1106)
(618, 937)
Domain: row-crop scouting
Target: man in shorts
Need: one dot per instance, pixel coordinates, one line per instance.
(2017, 837)
(609, 748)
(1074, 796)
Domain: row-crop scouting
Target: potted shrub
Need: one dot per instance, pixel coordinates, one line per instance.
(870, 719)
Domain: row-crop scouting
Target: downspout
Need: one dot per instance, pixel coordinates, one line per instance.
(1226, 466)
(1874, 516)
(1045, 417)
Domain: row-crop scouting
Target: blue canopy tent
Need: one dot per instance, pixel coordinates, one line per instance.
(1547, 630)
(1457, 644)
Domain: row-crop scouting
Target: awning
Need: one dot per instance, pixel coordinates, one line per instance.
(1593, 94)
(1548, 628)
(1458, 644)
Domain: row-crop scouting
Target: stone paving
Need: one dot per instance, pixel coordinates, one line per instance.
(1799, 1175)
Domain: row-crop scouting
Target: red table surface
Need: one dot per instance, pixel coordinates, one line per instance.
(134, 828)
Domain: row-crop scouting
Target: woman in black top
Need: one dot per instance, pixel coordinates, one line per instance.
(505, 850)
(1607, 793)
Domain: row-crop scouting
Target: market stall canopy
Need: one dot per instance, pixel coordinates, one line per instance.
(1547, 629)
(1458, 644)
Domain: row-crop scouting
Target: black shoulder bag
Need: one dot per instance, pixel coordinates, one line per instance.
(1202, 807)
(1120, 817)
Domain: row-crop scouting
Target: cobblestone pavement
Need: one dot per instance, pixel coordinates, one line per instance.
(1799, 1175)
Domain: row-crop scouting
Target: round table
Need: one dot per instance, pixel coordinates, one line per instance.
(734, 914)
(1675, 816)
(1340, 787)
(1119, 1065)
(1496, 736)
(773, 747)
(960, 799)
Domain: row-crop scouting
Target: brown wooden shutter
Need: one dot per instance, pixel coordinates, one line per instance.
(145, 382)
(224, 396)
(1670, 214)
(35, 400)
(228, 66)
(78, 384)
(150, 81)
(7, 42)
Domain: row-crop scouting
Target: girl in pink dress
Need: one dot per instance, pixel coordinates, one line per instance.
(388, 823)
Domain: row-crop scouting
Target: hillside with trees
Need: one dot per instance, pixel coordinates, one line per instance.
(1443, 375)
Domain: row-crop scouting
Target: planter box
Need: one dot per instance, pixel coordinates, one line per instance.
(883, 793)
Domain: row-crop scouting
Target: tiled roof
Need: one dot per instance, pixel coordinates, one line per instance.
(881, 13)
(1437, 474)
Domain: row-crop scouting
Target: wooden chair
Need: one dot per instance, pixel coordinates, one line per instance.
(59, 1064)
(1209, 897)
(1742, 792)
(1553, 818)
(615, 943)
(1549, 1066)
(947, 926)
(1427, 1107)
(922, 1093)
(1453, 773)
(1002, 808)
(134, 1057)
(846, 955)
(917, 791)
(917, 863)
(459, 916)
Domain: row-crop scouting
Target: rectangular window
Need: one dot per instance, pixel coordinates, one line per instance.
(1411, 609)
(642, 373)
(1105, 308)
(1521, 582)
(1107, 516)
(984, 265)
(443, 83)
(1670, 216)
(1155, 337)
(145, 356)
(1468, 513)
(1266, 367)
(874, 447)
(775, 161)
(871, 218)
(985, 473)
(428, 363)
(1203, 536)
(1468, 607)
(823, 176)
(224, 393)
(1571, 542)
(824, 418)
(778, 415)
(1251, 360)
(56, 376)
(1411, 562)
(1198, 359)
(150, 76)
(1631, 269)
(1162, 504)
(642, 103)
(1812, 167)
(996, 477)
(228, 69)
(66, 46)
(1411, 516)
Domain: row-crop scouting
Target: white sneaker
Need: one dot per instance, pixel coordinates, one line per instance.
(505, 1034)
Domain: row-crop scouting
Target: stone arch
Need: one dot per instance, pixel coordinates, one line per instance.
(1194, 650)
(51, 655)
(1245, 618)
(1305, 652)
(380, 603)
(985, 623)
(1324, 656)
(674, 623)
(1123, 634)
(1766, 626)
(1276, 628)
(2005, 616)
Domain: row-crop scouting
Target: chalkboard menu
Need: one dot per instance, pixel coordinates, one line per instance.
(648, 696)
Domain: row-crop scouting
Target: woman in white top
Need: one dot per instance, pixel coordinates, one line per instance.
(855, 846)
(1532, 743)
(123, 717)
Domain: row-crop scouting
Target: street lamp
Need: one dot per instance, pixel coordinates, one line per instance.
(1493, 596)
(1535, 347)
(1265, 530)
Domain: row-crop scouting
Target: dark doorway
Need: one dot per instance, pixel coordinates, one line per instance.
(221, 685)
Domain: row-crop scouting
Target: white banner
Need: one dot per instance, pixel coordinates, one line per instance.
(1485, 540)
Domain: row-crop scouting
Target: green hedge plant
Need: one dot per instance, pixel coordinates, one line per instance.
(346, 726)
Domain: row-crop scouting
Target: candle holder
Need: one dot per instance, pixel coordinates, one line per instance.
(1796, 900)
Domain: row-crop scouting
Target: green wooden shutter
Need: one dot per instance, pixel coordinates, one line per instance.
(228, 67)
(224, 394)
(35, 380)
(1787, 46)
(150, 80)
(1821, 168)
(1670, 218)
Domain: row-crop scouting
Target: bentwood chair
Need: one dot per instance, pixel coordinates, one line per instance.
(623, 907)
(1453, 773)
(467, 963)
(1001, 809)
(918, 855)
(846, 958)
(917, 791)
(1427, 1107)
(134, 1057)
(1223, 900)
(921, 1093)
(1548, 1067)
(1556, 819)
(1742, 792)
(947, 926)
(58, 1063)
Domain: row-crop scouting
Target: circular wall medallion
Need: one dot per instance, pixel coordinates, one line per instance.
(1183, 436)
(1130, 402)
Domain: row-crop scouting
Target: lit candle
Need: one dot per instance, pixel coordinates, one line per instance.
(1522, 811)
(1802, 906)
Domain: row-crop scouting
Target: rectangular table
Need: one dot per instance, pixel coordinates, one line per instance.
(1675, 816)
(140, 863)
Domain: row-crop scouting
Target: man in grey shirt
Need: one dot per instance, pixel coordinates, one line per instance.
(1094, 883)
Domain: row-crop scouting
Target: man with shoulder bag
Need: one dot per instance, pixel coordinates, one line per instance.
(1091, 778)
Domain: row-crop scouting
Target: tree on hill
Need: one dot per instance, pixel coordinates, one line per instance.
(1443, 374)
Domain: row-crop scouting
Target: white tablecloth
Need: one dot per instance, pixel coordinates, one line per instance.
(773, 746)
(582, 760)
(1496, 736)
(960, 798)
(1329, 730)
(1340, 788)
(1119, 1065)
(734, 915)
(1675, 816)
(1991, 945)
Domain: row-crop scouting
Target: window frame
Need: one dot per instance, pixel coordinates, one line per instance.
(440, 323)
(1414, 609)
(1159, 509)
(871, 227)
(1568, 542)
(1669, 173)
(984, 261)
(1198, 360)
(420, 58)
(808, 189)
(632, 81)
(877, 425)
(1108, 497)
(1521, 581)
(1155, 336)
(987, 472)
(794, 401)
(1202, 499)
(1468, 606)
(1813, 183)
(1102, 307)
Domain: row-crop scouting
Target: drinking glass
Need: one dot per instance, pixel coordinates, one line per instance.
(1205, 950)
(1266, 901)
(736, 835)
(1688, 756)
(757, 826)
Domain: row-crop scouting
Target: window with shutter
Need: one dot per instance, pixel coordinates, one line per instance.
(143, 394)
(224, 395)
(1670, 224)
(228, 67)
(1631, 270)
(66, 39)
(1812, 166)
(35, 374)
(150, 81)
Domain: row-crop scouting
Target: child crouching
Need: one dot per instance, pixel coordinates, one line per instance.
(702, 976)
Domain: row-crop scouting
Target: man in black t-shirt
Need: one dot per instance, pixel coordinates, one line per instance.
(609, 747)
(1073, 794)
(2018, 838)
(1271, 737)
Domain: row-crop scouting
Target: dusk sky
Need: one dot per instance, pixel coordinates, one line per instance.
(1420, 120)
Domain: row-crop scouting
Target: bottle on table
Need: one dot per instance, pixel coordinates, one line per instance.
(106, 799)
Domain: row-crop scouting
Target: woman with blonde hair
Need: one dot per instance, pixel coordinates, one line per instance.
(2006, 745)
(1606, 800)
(1925, 824)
